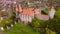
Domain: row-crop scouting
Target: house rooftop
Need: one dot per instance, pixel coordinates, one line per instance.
(28, 11)
(43, 17)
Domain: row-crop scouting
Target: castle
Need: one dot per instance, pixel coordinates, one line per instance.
(27, 14)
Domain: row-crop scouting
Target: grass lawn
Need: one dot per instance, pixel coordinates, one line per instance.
(20, 28)
(5, 21)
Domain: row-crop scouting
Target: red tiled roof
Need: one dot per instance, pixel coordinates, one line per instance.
(43, 17)
(28, 11)
(52, 9)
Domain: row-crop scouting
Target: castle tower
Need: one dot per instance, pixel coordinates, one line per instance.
(19, 7)
(18, 10)
(51, 12)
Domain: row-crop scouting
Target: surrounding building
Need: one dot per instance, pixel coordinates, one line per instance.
(5, 7)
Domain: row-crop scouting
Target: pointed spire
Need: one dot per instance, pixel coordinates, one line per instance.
(19, 7)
